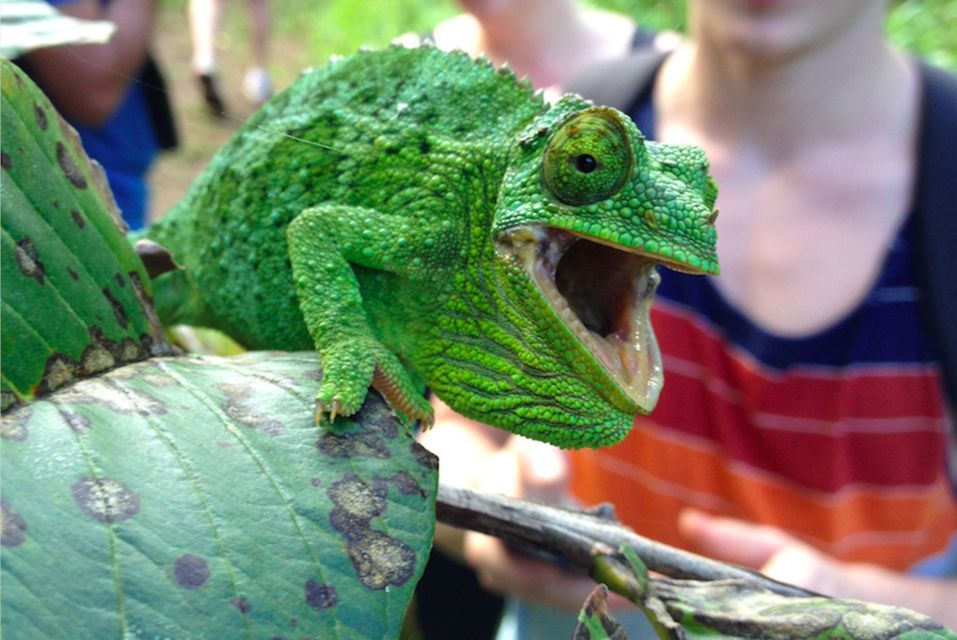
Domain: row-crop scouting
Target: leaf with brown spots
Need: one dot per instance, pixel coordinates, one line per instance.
(66, 309)
(124, 509)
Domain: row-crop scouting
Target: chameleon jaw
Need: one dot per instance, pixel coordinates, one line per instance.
(602, 294)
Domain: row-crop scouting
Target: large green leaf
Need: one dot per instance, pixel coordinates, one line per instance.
(194, 497)
(74, 292)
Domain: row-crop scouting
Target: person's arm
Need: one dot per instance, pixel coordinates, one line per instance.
(88, 82)
(464, 448)
(785, 558)
(480, 457)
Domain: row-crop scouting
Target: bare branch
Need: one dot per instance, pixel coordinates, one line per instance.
(579, 536)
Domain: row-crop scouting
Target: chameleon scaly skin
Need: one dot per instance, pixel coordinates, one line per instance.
(418, 217)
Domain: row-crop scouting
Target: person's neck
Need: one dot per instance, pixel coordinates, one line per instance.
(853, 85)
(541, 42)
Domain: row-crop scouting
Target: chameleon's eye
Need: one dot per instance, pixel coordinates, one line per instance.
(586, 163)
(588, 159)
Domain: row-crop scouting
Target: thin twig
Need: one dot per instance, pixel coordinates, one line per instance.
(577, 536)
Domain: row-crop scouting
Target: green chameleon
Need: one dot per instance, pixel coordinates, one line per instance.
(420, 218)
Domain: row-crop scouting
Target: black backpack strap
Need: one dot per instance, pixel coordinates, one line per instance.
(936, 221)
(158, 103)
(618, 83)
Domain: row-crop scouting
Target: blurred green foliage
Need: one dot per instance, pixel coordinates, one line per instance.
(341, 26)
(653, 15)
(926, 27)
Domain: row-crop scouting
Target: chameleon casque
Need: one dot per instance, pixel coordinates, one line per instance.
(421, 218)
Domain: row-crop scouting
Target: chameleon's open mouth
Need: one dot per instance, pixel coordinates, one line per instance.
(603, 295)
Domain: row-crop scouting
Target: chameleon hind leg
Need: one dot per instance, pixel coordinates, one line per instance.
(322, 242)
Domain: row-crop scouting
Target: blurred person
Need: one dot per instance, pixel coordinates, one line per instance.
(204, 21)
(804, 429)
(113, 94)
(546, 40)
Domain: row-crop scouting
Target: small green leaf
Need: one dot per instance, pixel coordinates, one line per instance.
(595, 621)
(626, 574)
(195, 497)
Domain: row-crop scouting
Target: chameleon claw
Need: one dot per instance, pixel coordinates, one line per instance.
(427, 422)
(334, 409)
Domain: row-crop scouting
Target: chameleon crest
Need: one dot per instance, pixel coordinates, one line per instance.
(423, 219)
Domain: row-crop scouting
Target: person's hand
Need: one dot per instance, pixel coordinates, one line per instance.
(479, 457)
(784, 557)
(769, 550)
(527, 469)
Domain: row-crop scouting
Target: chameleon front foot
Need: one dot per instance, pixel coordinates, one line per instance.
(346, 381)
(421, 412)
(339, 394)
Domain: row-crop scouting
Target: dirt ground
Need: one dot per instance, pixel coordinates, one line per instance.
(200, 133)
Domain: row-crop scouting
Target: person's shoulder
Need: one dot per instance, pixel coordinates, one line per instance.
(616, 25)
(615, 83)
(458, 32)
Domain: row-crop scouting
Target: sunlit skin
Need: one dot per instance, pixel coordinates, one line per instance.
(773, 32)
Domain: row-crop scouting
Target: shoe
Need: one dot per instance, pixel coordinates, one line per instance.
(211, 96)
(257, 86)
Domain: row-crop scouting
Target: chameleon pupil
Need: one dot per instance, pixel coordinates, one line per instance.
(586, 163)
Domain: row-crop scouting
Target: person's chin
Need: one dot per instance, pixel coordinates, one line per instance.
(767, 41)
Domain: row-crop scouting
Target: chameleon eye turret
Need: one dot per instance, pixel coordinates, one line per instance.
(588, 159)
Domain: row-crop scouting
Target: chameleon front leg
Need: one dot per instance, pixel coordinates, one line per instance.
(322, 242)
